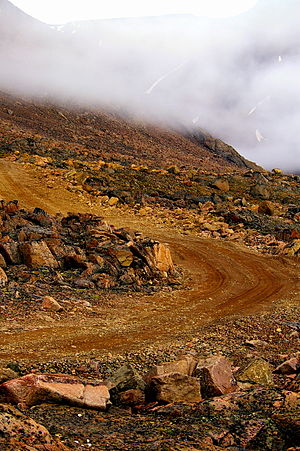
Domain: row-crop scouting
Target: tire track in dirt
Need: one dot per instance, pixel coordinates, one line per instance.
(222, 279)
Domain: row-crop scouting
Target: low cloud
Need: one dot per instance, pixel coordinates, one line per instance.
(235, 78)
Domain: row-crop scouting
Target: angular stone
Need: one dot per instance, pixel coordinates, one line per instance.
(3, 278)
(185, 365)
(50, 303)
(124, 256)
(126, 378)
(10, 252)
(174, 387)
(113, 201)
(290, 366)
(258, 371)
(221, 184)
(21, 432)
(256, 343)
(37, 254)
(159, 257)
(34, 389)
(260, 191)
(216, 377)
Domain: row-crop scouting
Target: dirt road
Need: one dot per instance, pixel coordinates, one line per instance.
(222, 279)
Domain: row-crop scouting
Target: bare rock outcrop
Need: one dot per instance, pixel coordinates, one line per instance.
(97, 254)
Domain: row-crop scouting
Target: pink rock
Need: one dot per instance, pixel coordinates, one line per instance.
(35, 389)
(216, 377)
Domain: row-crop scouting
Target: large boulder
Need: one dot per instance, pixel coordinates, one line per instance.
(126, 385)
(173, 387)
(184, 365)
(216, 377)
(127, 378)
(35, 389)
(37, 254)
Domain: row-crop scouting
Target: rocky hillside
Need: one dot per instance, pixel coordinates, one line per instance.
(62, 133)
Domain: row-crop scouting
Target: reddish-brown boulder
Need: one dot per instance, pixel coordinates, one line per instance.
(174, 387)
(50, 303)
(216, 377)
(35, 389)
(185, 365)
(37, 254)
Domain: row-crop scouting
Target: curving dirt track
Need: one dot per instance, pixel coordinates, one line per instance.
(222, 279)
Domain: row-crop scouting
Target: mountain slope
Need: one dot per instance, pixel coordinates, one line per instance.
(75, 131)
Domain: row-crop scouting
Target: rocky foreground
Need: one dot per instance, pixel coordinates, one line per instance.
(233, 385)
(196, 401)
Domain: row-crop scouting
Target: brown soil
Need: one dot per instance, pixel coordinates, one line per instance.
(222, 280)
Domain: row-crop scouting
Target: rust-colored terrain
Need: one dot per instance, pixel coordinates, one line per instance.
(235, 246)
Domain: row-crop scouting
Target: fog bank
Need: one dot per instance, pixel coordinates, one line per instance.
(235, 78)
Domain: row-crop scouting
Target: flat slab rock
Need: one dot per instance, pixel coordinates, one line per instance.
(34, 389)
